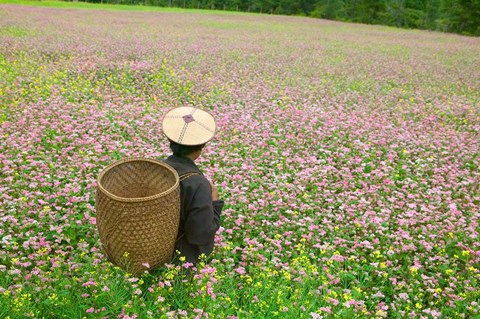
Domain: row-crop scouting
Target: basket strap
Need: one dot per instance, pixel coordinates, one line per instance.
(182, 178)
(187, 175)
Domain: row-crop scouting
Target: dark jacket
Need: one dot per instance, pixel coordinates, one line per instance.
(199, 215)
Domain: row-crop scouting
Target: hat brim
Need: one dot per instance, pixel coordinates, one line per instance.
(189, 126)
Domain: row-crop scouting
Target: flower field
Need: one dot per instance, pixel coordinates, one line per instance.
(348, 157)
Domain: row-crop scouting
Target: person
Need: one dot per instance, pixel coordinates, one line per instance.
(188, 130)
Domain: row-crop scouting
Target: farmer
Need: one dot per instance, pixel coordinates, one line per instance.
(188, 130)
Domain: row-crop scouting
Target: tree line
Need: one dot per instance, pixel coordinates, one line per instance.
(457, 16)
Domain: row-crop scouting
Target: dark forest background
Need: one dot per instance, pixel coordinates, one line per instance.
(457, 16)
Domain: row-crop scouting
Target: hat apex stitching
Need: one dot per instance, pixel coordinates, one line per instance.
(182, 134)
(205, 127)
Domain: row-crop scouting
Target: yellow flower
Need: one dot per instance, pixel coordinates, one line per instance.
(347, 297)
(449, 271)
(413, 270)
(418, 305)
(465, 253)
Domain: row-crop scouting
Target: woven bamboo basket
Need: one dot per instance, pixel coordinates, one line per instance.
(138, 213)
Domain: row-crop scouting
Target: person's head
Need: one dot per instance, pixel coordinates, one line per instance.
(191, 151)
(188, 129)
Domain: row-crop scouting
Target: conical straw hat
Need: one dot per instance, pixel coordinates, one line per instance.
(189, 126)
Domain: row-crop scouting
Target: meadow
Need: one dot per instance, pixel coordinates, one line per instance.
(347, 154)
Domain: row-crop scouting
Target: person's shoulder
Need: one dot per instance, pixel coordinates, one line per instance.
(199, 179)
(196, 184)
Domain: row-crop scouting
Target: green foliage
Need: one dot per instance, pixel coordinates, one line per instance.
(330, 9)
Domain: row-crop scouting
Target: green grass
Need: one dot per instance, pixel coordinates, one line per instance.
(114, 7)
(15, 31)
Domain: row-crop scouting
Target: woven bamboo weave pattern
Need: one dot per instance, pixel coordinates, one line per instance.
(138, 213)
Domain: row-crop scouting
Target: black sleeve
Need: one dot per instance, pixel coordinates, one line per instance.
(203, 215)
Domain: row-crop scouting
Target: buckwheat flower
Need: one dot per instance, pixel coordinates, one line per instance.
(187, 265)
(338, 258)
(403, 296)
(379, 294)
(90, 310)
(334, 301)
(240, 270)
(327, 309)
(89, 283)
(210, 291)
(14, 272)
